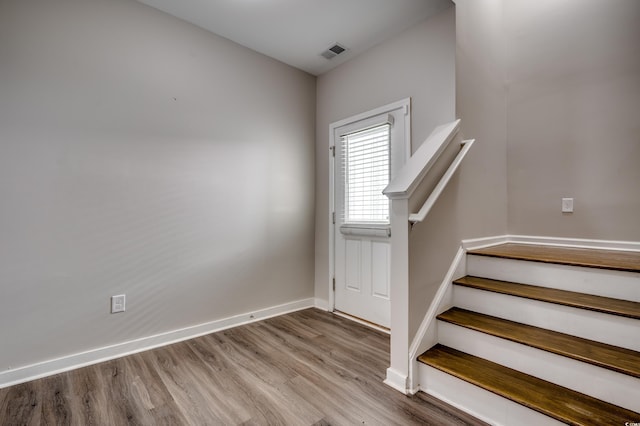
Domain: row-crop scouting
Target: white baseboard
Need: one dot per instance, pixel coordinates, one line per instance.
(321, 304)
(576, 242)
(94, 356)
(477, 243)
(396, 380)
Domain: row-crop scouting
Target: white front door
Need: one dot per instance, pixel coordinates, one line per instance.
(368, 152)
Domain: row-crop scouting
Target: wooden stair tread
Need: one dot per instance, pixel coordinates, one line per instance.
(590, 302)
(593, 258)
(563, 404)
(614, 358)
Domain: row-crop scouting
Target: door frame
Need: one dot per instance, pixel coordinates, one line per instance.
(403, 105)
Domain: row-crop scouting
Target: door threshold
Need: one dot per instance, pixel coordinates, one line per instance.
(363, 322)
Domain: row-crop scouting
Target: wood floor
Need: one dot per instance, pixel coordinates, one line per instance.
(305, 368)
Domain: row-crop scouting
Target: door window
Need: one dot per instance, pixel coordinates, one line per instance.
(366, 165)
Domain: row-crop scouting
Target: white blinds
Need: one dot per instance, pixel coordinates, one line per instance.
(366, 168)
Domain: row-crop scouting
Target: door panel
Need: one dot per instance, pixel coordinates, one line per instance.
(380, 273)
(353, 265)
(362, 279)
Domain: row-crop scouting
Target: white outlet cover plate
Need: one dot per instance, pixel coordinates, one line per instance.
(118, 303)
(567, 205)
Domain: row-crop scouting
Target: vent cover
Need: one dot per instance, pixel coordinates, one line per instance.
(333, 51)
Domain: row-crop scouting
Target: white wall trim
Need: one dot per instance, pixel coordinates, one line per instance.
(402, 103)
(396, 380)
(576, 242)
(456, 270)
(94, 356)
(477, 243)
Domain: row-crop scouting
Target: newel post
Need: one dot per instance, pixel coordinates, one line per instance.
(398, 371)
(399, 192)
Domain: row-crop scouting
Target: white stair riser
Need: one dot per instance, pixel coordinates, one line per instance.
(616, 284)
(611, 329)
(610, 386)
(478, 402)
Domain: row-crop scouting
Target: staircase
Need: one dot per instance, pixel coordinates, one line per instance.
(541, 335)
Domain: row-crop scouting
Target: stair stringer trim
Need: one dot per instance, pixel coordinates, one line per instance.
(427, 335)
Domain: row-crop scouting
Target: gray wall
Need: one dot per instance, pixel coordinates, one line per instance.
(474, 204)
(573, 89)
(142, 155)
(418, 63)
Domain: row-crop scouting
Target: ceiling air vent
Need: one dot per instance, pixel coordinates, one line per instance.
(333, 51)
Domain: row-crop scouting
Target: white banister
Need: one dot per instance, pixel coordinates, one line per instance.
(435, 194)
(399, 191)
(419, 164)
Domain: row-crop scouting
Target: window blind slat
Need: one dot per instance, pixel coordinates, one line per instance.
(366, 168)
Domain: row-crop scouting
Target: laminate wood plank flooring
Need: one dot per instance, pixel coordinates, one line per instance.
(590, 302)
(305, 368)
(604, 259)
(563, 404)
(618, 359)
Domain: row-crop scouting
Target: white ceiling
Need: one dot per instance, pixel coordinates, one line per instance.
(296, 32)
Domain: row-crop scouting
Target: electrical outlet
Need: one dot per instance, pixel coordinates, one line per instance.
(117, 303)
(567, 205)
